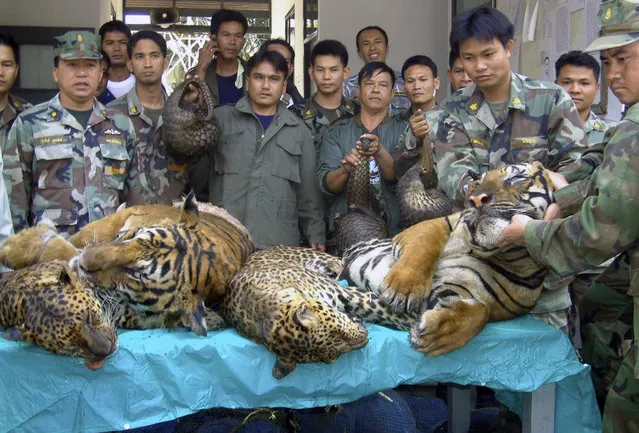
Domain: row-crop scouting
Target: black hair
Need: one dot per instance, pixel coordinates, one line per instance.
(452, 58)
(146, 34)
(225, 16)
(281, 42)
(420, 60)
(273, 57)
(9, 41)
(114, 26)
(369, 70)
(484, 24)
(105, 58)
(578, 58)
(330, 47)
(379, 29)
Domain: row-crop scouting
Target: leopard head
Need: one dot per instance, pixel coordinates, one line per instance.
(308, 331)
(47, 305)
(160, 271)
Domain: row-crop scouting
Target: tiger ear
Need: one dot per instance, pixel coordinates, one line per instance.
(304, 317)
(190, 214)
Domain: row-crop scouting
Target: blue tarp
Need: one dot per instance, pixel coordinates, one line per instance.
(159, 375)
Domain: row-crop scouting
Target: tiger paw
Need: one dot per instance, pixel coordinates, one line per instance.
(404, 289)
(448, 326)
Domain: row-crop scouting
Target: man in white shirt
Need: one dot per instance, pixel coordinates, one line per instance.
(115, 35)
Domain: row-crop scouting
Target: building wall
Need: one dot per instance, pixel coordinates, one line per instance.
(45, 13)
(413, 27)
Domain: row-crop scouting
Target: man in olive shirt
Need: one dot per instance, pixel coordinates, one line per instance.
(340, 150)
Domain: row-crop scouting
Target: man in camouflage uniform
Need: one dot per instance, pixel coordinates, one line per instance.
(504, 118)
(163, 177)
(578, 73)
(606, 206)
(10, 107)
(328, 70)
(69, 159)
(421, 83)
(372, 46)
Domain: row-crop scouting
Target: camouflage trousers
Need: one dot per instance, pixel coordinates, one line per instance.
(564, 320)
(621, 413)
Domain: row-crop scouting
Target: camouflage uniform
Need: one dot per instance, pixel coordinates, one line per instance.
(400, 102)
(315, 120)
(539, 123)
(15, 106)
(407, 141)
(162, 177)
(56, 169)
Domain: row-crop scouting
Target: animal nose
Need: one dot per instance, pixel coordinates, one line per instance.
(479, 200)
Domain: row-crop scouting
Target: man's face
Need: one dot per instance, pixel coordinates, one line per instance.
(8, 69)
(457, 77)
(620, 66)
(487, 63)
(230, 39)
(114, 44)
(420, 85)
(285, 53)
(104, 79)
(371, 46)
(328, 73)
(147, 62)
(78, 78)
(376, 92)
(580, 83)
(265, 86)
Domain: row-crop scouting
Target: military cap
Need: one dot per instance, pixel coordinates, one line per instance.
(77, 45)
(618, 25)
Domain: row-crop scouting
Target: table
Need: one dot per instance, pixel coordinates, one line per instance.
(159, 375)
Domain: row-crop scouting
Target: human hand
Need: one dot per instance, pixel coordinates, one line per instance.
(350, 161)
(374, 146)
(206, 55)
(558, 180)
(553, 211)
(515, 232)
(418, 125)
(319, 247)
(192, 93)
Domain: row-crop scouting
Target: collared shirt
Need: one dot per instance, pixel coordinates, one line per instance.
(15, 106)
(308, 110)
(163, 178)
(337, 141)
(400, 102)
(539, 123)
(596, 127)
(56, 169)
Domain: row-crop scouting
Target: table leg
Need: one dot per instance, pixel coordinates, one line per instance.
(539, 410)
(459, 402)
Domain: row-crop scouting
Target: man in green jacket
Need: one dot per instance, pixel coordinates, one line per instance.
(262, 169)
(603, 223)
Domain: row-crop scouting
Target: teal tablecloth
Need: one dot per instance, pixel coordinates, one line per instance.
(159, 375)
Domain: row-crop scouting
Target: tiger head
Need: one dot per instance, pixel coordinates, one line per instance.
(162, 270)
(514, 189)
